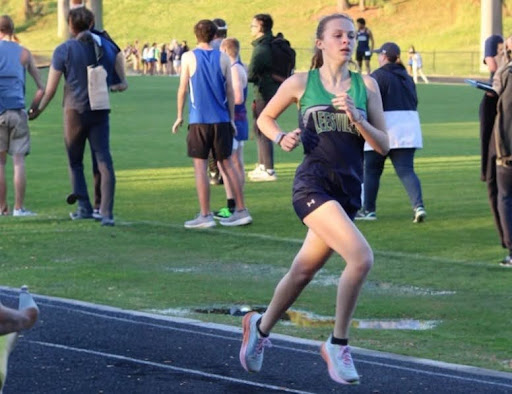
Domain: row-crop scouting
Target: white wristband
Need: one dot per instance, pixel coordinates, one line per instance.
(279, 138)
(359, 119)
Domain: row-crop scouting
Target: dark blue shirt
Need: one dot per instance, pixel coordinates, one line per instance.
(491, 48)
(396, 87)
(72, 58)
(363, 41)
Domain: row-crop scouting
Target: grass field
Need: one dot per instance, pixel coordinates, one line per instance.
(445, 269)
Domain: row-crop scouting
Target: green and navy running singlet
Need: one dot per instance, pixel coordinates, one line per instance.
(332, 168)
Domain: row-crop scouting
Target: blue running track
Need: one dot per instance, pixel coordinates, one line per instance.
(84, 348)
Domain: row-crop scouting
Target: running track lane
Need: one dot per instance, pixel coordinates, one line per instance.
(84, 348)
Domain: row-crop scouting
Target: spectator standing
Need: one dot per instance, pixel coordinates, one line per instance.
(502, 132)
(172, 56)
(494, 59)
(416, 65)
(14, 131)
(135, 56)
(184, 46)
(164, 60)
(231, 46)
(153, 58)
(222, 31)
(145, 58)
(365, 44)
(82, 122)
(178, 53)
(400, 101)
(207, 73)
(265, 87)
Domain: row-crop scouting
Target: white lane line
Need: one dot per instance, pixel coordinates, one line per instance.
(170, 367)
(236, 330)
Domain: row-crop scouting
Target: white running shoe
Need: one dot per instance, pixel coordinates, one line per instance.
(506, 262)
(23, 212)
(238, 218)
(251, 352)
(96, 215)
(339, 363)
(201, 221)
(419, 214)
(260, 174)
(365, 215)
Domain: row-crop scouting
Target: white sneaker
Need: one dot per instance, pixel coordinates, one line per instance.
(251, 351)
(506, 262)
(201, 221)
(96, 215)
(23, 212)
(339, 363)
(260, 174)
(419, 214)
(257, 168)
(238, 218)
(365, 215)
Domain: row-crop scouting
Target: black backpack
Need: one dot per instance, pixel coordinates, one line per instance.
(283, 58)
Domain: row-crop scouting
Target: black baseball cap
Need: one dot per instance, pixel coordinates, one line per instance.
(390, 49)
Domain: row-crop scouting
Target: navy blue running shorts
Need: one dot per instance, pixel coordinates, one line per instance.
(315, 184)
(305, 205)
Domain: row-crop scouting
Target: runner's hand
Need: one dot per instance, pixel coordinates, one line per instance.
(290, 140)
(344, 102)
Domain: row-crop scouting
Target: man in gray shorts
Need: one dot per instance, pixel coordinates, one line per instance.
(14, 133)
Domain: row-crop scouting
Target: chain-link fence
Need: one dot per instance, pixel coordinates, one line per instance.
(445, 63)
(451, 63)
(448, 63)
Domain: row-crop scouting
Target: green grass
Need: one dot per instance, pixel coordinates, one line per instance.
(447, 32)
(149, 261)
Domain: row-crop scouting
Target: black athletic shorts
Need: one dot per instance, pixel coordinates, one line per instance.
(362, 55)
(315, 184)
(203, 138)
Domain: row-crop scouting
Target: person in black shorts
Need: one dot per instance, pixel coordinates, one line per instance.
(207, 72)
(222, 33)
(334, 105)
(365, 44)
(164, 54)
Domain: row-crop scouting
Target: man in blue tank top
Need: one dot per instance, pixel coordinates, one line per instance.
(14, 132)
(206, 74)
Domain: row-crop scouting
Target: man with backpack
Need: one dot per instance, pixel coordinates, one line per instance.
(271, 63)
